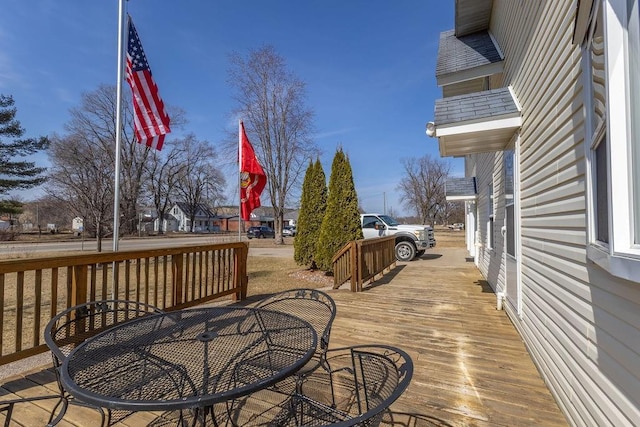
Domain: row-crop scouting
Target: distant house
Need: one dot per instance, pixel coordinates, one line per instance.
(169, 223)
(266, 216)
(542, 100)
(226, 217)
(178, 219)
(77, 224)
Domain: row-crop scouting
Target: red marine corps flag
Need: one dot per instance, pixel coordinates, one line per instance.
(252, 177)
(151, 122)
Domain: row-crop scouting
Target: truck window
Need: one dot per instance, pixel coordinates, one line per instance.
(369, 221)
(389, 221)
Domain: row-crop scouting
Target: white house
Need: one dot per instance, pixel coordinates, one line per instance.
(542, 99)
(178, 219)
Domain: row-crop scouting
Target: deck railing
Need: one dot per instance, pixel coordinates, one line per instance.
(360, 261)
(34, 290)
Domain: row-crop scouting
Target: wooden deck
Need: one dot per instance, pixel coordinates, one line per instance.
(471, 367)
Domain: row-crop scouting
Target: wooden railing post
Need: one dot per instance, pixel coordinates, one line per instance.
(177, 266)
(240, 277)
(79, 284)
(354, 266)
(360, 264)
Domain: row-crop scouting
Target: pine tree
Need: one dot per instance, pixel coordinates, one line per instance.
(341, 223)
(312, 207)
(17, 175)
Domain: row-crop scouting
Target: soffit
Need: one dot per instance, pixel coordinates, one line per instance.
(472, 16)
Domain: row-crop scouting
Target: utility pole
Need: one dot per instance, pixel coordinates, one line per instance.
(384, 202)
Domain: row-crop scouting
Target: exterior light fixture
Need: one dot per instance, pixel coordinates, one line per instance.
(431, 129)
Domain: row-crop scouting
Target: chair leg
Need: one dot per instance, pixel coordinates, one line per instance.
(9, 409)
(54, 420)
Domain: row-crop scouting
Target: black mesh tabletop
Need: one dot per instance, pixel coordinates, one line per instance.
(188, 359)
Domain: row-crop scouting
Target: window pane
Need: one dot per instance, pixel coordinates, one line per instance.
(634, 103)
(508, 176)
(511, 237)
(602, 191)
(508, 192)
(598, 95)
(490, 199)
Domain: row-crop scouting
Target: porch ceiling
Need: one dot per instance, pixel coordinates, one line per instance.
(472, 16)
(476, 123)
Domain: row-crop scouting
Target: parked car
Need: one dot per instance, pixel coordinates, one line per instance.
(289, 230)
(260, 232)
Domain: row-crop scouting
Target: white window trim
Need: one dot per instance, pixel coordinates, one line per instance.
(620, 257)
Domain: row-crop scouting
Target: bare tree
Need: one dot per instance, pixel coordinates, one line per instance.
(94, 123)
(271, 102)
(422, 187)
(452, 212)
(81, 175)
(163, 170)
(47, 210)
(199, 183)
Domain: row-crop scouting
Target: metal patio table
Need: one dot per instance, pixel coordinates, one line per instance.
(188, 359)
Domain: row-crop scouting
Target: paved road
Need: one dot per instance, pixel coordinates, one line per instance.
(107, 244)
(32, 248)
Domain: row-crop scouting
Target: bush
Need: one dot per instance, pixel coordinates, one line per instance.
(341, 222)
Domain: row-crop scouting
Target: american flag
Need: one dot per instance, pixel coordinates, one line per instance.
(151, 122)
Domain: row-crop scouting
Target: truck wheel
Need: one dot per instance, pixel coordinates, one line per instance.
(405, 251)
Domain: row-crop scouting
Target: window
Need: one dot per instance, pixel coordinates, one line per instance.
(490, 219)
(369, 222)
(612, 64)
(509, 202)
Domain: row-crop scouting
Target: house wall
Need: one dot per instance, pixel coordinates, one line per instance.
(580, 324)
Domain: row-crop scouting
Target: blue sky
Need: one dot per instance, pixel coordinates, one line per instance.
(369, 66)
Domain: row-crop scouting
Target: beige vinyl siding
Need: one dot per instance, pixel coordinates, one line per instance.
(581, 325)
(469, 86)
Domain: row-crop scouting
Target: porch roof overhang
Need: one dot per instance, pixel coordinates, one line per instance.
(461, 189)
(467, 57)
(477, 122)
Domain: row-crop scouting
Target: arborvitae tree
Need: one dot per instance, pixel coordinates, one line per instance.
(313, 203)
(17, 175)
(341, 222)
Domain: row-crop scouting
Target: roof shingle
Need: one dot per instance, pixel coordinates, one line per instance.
(457, 54)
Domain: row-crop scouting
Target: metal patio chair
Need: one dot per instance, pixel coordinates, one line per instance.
(314, 306)
(72, 326)
(319, 310)
(366, 381)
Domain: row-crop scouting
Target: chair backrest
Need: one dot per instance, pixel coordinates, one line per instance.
(381, 374)
(312, 305)
(72, 326)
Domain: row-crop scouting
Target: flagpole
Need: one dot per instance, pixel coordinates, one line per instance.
(116, 189)
(239, 177)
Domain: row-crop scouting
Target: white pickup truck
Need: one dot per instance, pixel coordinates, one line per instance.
(411, 240)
